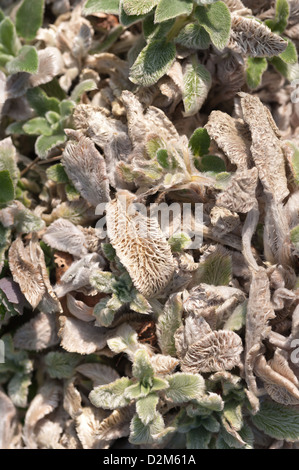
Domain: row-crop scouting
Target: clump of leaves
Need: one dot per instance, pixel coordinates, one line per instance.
(194, 27)
(145, 389)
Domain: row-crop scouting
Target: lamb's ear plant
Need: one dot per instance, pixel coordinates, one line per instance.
(285, 62)
(52, 117)
(17, 369)
(184, 28)
(15, 57)
(148, 391)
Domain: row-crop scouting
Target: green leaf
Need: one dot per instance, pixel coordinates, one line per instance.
(200, 142)
(282, 12)
(102, 281)
(25, 221)
(8, 37)
(233, 414)
(142, 368)
(4, 58)
(163, 159)
(126, 340)
(7, 190)
(145, 434)
(2, 16)
(216, 20)
(57, 173)
(37, 126)
(52, 117)
(106, 309)
(101, 6)
(61, 365)
(211, 401)
(212, 163)
(179, 242)
(159, 384)
(136, 391)
(168, 322)
(109, 251)
(237, 319)
(146, 408)
(184, 387)
(29, 18)
(198, 438)
(197, 83)
(81, 88)
(141, 7)
(167, 10)
(256, 66)
(156, 31)
(278, 421)
(128, 20)
(215, 270)
(282, 67)
(26, 61)
(45, 143)
(295, 237)
(193, 36)
(18, 389)
(111, 396)
(66, 108)
(4, 242)
(289, 56)
(139, 303)
(41, 103)
(153, 62)
(71, 192)
(8, 159)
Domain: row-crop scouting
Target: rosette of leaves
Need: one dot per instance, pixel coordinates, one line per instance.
(15, 372)
(120, 292)
(170, 163)
(14, 214)
(214, 420)
(13, 56)
(146, 389)
(283, 62)
(166, 27)
(52, 117)
(191, 26)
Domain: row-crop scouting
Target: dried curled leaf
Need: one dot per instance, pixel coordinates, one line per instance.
(259, 312)
(223, 220)
(164, 365)
(42, 404)
(40, 333)
(109, 134)
(279, 380)
(117, 424)
(28, 268)
(50, 64)
(87, 424)
(213, 351)
(250, 37)
(100, 374)
(81, 337)
(140, 245)
(239, 196)
(79, 309)
(65, 236)
(8, 423)
(86, 168)
(231, 136)
(78, 274)
(266, 148)
(213, 303)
